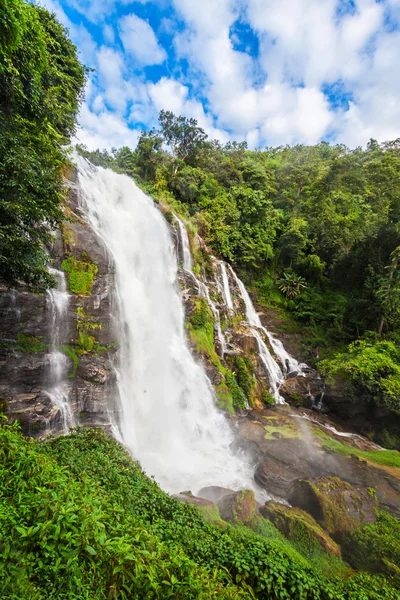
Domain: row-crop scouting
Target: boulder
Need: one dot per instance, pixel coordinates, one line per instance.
(214, 492)
(209, 510)
(335, 504)
(297, 524)
(238, 506)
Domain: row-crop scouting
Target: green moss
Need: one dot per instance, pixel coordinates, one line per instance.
(30, 343)
(388, 458)
(267, 398)
(71, 353)
(211, 515)
(201, 331)
(309, 539)
(243, 369)
(80, 274)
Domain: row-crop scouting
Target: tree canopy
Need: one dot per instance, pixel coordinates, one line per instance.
(41, 87)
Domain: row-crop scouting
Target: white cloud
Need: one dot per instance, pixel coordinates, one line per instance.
(105, 130)
(305, 48)
(139, 40)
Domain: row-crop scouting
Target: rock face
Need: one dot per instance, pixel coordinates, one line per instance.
(298, 455)
(338, 506)
(26, 339)
(298, 524)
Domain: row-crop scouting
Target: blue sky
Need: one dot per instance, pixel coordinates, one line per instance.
(270, 72)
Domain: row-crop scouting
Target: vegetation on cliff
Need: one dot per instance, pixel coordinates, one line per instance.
(313, 229)
(79, 519)
(41, 86)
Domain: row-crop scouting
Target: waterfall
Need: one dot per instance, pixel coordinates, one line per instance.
(184, 239)
(57, 300)
(225, 286)
(169, 418)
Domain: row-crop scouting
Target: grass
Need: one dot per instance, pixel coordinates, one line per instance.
(387, 458)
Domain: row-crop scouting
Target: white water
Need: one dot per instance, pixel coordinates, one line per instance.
(186, 254)
(226, 288)
(202, 288)
(169, 418)
(275, 374)
(58, 299)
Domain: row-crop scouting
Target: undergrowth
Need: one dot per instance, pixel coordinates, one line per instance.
(80, 520)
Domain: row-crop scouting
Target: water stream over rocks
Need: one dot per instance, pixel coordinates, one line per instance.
(58, 299)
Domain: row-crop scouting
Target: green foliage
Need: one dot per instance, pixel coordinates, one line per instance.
(244, 372)
(291, 285)
(376, 547)
(201, 315)
(71, 353)
(78, 517)
(370, 370)
(80, 275)
(30, 343)
(41, 88)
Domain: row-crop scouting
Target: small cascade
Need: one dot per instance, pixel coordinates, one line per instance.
(226, 290)
(184, 239)
(57, 300)
(275, 374)
(202, 287)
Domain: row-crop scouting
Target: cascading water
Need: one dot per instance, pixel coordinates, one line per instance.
(202, 288)
(225, 286)
(169, 418)
(57, 300)
(275, 374)
(186, 254)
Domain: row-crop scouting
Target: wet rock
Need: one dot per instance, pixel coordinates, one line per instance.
(338, 506)
(300, 387)
(281, 462)
(238, 506)
(297, 524)
(214, 492)
(189, 498)
(94, 368)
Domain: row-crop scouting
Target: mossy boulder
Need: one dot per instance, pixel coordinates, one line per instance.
(335, 504)
(208, 509)
(238, 506)
(296, 524)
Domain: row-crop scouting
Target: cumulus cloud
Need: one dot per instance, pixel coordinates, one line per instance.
(321, 69)
(140, 41)
(105, 130)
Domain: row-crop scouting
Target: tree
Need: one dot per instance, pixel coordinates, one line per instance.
(147, 154)
(41, 88)
(182, 135)
(389, 290)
